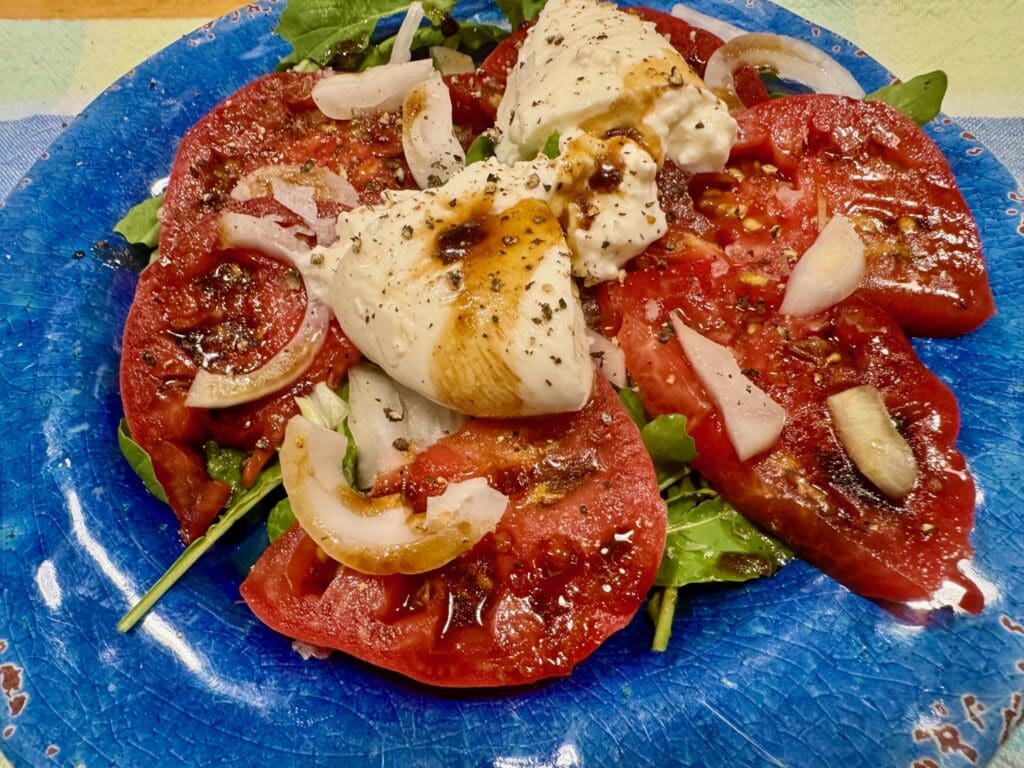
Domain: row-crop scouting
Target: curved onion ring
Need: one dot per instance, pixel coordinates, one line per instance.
(219, 390)
(378, 89)
(792, 59)
(239, 230)
(866, 431)
(722, 29)
(428, 135)
(378, 535)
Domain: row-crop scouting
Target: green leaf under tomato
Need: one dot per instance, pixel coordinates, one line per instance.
(141, 225)
(225, 464)
(322, 30)
(919, 98)
(667, 441)
(518, 12)
(266, 482)
(139, 461)
(631, 402)
(481, 149)
(709, 541)
(280, 519)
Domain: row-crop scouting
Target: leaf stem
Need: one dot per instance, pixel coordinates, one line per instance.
(663, 625)
(268, 480)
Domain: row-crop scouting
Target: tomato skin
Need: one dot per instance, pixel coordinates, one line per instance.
(569, 563)
(867, 161)
(805, 489)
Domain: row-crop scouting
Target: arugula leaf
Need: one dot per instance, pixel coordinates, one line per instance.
(351, 459)
(279, 520)
(631, 401)
(550, 147)
(919, 98)
(141, 225)
(470, 38)
(518, 12)
(709, 541)
(321, 30)
(662, 609)
(667, 441)
(225, 464)
(140, 461)
(481, 149)
(268, 480)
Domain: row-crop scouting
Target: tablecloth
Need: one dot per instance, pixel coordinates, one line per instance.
(56, 63)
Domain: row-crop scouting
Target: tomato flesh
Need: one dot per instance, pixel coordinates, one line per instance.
(805, 489)
(569, 563)
(830, 155)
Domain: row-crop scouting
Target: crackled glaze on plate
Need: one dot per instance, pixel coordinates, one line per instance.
(791, 671)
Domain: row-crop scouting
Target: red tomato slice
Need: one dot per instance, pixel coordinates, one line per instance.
(805, 489)
(228, 310)
(569, 563)
(476, 95)
(273, 121)
(868, 162)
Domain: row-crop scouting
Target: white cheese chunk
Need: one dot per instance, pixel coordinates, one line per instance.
(464, 294)
(589, 65)
(607, 197)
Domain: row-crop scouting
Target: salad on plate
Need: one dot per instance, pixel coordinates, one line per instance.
(507, 332)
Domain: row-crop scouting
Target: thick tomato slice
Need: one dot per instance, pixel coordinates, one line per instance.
(569, 563)
(273, 121)
(805, 489)
(224, 310)
(805, 157)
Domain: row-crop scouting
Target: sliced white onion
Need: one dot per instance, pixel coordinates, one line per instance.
(828, 272)
(753, 421)
(609, 356)
(239, 230)
(378, 89)
(790, 58)
(379, 535)
(325, 183)
(448, 61)
(220, 390)
(866, 431)
(390, 423)
(723, 29)
(300, 200)
(428, 136)
(402, 51)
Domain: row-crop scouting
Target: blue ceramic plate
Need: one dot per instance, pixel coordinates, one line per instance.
(792, 671)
